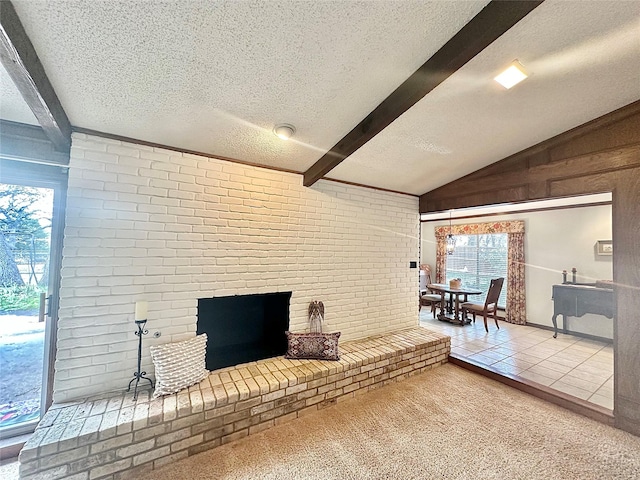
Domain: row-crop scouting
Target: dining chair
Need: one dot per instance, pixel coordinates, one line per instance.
(490, 305)
(427, 298)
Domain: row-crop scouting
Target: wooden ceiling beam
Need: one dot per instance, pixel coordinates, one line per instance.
(489, 24)
(21, 61)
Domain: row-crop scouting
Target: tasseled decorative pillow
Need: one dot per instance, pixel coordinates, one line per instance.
(318, 346)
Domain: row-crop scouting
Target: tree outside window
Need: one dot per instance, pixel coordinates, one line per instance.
(25, 228)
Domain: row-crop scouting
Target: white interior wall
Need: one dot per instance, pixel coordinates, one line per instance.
(144, 223)
(555, 240)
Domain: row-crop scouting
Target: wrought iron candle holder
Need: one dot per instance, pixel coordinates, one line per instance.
(139, 375)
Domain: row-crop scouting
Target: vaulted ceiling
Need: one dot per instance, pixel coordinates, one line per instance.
(216, 77)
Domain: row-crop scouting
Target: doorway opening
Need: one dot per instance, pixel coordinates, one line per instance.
(566, 244)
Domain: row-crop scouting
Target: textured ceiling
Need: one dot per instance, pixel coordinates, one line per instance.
(583, 57)
(216, 77)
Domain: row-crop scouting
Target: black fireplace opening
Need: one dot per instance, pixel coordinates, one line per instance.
(244, 328)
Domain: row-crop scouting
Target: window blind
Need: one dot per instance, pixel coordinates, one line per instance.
(479, 258)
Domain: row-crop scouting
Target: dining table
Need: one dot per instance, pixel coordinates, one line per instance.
(450, 310)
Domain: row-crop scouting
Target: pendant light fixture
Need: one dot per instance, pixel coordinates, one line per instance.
(451, 241)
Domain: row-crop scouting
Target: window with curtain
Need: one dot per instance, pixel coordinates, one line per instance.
(479, 258)
(488, 234)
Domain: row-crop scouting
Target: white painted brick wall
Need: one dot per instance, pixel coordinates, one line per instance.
(145, 223)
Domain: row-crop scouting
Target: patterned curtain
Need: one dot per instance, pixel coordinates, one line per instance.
(512, 226)
(516, 311)
(441, 259)
(516, 307)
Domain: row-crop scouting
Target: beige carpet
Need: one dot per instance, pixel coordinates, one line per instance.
(446, 424)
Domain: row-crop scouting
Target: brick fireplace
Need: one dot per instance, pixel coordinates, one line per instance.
(143, 223)
(243, 328)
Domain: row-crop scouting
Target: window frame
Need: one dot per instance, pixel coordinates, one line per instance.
(480, 274)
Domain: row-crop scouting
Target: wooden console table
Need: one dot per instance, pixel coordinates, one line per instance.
(574, 300)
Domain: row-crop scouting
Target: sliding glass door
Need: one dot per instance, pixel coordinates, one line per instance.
(31, 201)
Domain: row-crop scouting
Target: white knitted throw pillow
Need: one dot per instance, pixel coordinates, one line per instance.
(179, 365)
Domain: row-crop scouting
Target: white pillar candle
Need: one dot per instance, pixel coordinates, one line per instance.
(141, 310)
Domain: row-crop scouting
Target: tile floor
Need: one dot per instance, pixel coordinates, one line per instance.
(573, 365)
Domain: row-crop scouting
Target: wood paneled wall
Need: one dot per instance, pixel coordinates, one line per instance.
(600, 156)
(579, 161)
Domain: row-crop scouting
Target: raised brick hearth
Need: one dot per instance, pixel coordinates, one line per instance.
(117, 438)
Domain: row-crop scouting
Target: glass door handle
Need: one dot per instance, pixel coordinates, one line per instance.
(48, 306)
(41, 312)
(45, 304)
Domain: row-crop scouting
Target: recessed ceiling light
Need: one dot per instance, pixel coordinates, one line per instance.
(284, 131)
(513, 75)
